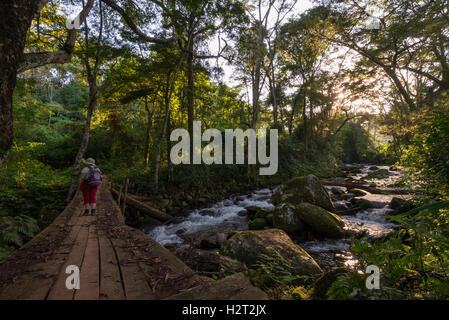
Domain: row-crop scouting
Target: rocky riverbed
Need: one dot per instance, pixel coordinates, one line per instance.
(359, 212)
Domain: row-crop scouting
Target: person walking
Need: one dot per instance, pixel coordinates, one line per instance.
(89, 182)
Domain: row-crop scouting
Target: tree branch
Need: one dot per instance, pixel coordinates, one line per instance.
(38, 59)
(133, 26)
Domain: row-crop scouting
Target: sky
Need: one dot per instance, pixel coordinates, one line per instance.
(229, 72)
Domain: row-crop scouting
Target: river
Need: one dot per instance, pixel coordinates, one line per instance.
(228, 215)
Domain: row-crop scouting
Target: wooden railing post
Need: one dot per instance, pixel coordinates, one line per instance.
(125, 192)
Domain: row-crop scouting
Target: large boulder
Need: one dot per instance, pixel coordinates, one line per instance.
(304, 189)
(322, 221)
(257, 212)
(257, 224)
(285, 218)
(401, 205)
(357, 192)
(207, 261)
(248, 246)
(235, 287)
(378, 174)
(362, 203)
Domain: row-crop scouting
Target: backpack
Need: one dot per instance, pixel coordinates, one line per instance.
(93, 178)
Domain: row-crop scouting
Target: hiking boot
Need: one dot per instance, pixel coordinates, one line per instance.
(92, 212)
(86, 212)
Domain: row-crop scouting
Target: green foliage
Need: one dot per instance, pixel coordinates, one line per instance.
(356, 145)
(31, 188)
(427, 158)
(14, 231)
(414, 263)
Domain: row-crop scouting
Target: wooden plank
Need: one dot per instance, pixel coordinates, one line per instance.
(90, 273)
(111, 287)
(59, 290)
(36, 283)
(134, 281)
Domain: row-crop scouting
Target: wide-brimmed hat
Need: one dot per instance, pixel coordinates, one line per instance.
(89, 161)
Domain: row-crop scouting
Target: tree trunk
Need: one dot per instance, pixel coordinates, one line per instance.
(143, 207)
(403, 92)
(14, 24)
(170, 88)
(148, 132)
(273, 96)
(190, 95)
(92, 80)
(304, 118)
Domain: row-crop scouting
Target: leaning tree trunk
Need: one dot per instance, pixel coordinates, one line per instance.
(92, 80)
(14, 24)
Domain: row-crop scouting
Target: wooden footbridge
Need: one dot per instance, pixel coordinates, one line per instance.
(115, 262)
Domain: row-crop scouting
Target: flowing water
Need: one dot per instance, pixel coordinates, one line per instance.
(229, 215)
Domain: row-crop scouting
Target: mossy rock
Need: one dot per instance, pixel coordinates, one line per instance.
(373, 168)
(401, 205)
(257, 212)
(323, 283)
(286, 218)
(304, 189)
(257, 224)
(248, 246)
(378, 174)
(357, 192)
(299, 293)
(322, 221)
(362, 203)
(262, 213)
(337, 191)
(347, 196)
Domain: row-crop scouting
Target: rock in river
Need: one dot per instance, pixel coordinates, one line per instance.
(207, 261)
(248, 246)
(322, 221)
(401, 205)
(357, 192)
(257, 224)
(285, 218)
(304, 189)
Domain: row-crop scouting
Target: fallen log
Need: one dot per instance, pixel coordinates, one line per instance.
(142, 198)
(153, 212)
(355, 185)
